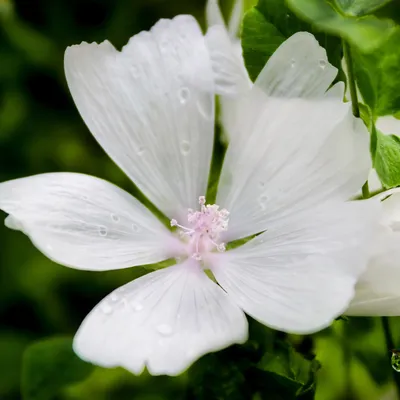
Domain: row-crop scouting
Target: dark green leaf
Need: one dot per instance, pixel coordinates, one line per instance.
(366, 33)
(378, 77)
(289, 367)
(387, 159)
(357, 8)
(48, 366)
(267, 26)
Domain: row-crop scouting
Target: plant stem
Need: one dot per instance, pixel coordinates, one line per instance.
(351, 79)
(390, 346)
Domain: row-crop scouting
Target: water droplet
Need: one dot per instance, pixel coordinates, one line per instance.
(141, 150)
(322, 63)
(396, 360)
(106, 308)
(164, 329)
(185, 147)
(135, 71)
(262, 200)
(135, 228)
(288, 16)
(206, 108)
(102, 230)
(114, 297)
(164, 46)
(136, 306)
(115, 217)
(261, 184)
(184, 95)
(293, 63)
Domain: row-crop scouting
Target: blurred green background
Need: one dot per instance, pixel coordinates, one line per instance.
(41, 131)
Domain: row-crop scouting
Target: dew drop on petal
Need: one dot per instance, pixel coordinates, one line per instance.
(164, 329)
(184, 95)
(115, 217)
(141, 150)
(205, 108)
(136, 306)
(293, 63)
(322, 63)
(262, 200)
(106, 308)
(102, 230)
(114, 297)
(135, 71)
(261, 184)
(135, 228)
(185, 147)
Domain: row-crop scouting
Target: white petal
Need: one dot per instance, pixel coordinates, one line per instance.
(299, 153)
(213, 14)
(299, 276)
(295, 145)
(230, 74)
(151, 108)
(164, 320)
(84, 222)
(377, 292)
(235, 18)
(388, 125)
(298, 68)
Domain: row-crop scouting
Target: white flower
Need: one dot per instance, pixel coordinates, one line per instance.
(286, 178)
(377, 292)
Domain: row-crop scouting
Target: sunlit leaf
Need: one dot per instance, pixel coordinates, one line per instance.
(366, 33)
(358, 8)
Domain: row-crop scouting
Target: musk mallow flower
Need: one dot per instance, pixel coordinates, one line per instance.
(284, 187)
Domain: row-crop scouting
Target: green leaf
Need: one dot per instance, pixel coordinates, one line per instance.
(387, 159)
(290, 368)
(266, 26)
(378, 77)
(50, 365)
(358, 8)
(366, 33)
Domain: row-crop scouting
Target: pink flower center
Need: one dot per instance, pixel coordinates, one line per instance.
(204, 229)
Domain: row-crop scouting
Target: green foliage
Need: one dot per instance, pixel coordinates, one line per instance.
(292, 370)
(365, 33)
(50, 365)
(266, 26)
(358, 8)
(378, 76)
(387, 159)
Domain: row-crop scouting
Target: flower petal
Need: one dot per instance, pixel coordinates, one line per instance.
(151, 107)
(291, 153)
(213, 14)
(299, 276)
(230, 75)
(236, 18)
(377, 292)
(84, 222)
(298, 68)
(164, 320)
